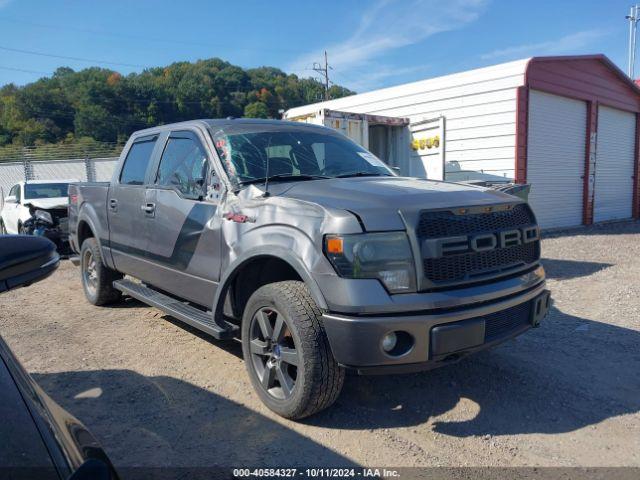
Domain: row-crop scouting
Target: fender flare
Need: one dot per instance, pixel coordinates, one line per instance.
(85, 216)
(272, 251)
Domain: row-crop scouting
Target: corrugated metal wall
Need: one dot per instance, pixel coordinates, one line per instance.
(479, 107)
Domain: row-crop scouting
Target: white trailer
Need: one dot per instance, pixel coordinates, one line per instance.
(414, 149)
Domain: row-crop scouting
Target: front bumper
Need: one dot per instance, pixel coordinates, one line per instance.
(438, 336)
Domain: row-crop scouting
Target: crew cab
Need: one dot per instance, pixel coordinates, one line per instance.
(311, 250)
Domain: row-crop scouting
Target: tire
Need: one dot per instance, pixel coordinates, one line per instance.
(97, 279)
(271, 352)
(3, 229)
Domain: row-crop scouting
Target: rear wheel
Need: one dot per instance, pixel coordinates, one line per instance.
(97, 279)
(287, 352)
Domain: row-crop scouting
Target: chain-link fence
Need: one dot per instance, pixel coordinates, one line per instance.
(83, 163)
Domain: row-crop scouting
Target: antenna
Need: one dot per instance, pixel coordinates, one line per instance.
(633, 24)
(324, 71)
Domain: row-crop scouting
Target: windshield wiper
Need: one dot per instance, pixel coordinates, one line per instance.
(282, 176)
(362, 174)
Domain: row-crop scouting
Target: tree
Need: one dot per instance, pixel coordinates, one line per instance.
(106, 106)
(96, 122)
(256, 110)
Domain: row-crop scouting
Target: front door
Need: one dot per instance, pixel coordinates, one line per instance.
(11, 210)
(184, 234)
(128, 221)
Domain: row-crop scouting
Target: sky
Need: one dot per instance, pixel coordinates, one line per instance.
(370, 44)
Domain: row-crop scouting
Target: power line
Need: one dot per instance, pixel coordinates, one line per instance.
(168, 40)
(12, 69)
(78, 59)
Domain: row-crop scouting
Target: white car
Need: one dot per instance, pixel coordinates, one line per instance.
(25, 197)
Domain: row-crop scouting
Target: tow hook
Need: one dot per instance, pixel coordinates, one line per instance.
(541, 306)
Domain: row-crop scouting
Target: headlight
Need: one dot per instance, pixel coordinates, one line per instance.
(384, 256)
(44, 216)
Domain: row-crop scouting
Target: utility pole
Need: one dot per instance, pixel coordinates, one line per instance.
(324, 71)
(633, 24)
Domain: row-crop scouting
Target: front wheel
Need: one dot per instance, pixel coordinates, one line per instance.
(97, 279)
(287, 352)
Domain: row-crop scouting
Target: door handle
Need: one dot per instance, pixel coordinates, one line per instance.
(148, 208)
(113, 204)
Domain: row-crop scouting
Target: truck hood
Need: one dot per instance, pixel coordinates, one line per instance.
(46, 203)
(377, 200)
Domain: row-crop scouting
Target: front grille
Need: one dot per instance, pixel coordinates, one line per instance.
(469, 266)
(500, 324)
(447, 224)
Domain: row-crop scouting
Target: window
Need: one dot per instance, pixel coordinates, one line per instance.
(45, 190)
(184, 166)
(135, 165)
(15, 192)
(296, 151)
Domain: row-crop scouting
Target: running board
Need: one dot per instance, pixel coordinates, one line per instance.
(182, 311)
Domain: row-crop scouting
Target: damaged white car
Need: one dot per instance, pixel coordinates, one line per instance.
(38, 207)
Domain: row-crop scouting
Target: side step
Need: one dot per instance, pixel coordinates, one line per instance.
(182, 311)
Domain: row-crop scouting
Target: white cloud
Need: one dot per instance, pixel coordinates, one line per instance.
(370, 79)
(389, 25)
(567, 44)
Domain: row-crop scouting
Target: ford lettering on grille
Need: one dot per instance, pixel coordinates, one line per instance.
(483, 242)
(468, 245)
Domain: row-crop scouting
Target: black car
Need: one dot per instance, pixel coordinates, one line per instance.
(38, 438)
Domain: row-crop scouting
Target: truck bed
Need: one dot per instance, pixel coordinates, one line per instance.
(91, 195)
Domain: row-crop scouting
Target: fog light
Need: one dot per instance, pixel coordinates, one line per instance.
(389, 341)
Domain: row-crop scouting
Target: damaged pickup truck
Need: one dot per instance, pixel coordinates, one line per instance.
(311, 250)
(38, 207)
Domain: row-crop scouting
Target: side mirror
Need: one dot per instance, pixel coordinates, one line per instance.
(25, 260)
(11, 199)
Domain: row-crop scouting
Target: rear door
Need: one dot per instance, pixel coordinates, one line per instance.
(184, 246)
(128, 223)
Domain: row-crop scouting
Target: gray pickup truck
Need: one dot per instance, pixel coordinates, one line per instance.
(310, 250)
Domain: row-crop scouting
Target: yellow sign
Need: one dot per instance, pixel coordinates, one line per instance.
(422, 143)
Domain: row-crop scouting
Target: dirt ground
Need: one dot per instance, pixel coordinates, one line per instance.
(157, 393)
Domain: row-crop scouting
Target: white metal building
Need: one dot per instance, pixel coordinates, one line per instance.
(566, 125)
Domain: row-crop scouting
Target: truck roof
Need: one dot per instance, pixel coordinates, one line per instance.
(230, 122)
(53, 180)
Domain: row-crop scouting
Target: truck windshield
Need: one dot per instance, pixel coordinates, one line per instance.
(34, 191)
(294, 154)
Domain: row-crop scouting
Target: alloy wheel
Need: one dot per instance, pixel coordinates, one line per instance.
(90, 272)
(273, 353)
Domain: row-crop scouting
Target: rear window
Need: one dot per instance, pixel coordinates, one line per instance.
(45, 190)
(135, 165)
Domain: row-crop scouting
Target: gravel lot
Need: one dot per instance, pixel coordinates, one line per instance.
(157, 393)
